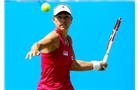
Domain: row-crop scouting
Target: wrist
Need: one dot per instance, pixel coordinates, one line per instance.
(96, 65)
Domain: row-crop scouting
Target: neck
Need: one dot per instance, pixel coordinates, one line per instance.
(63, 33)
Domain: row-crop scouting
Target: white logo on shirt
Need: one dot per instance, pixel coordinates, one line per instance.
(65, 53)
(72, 57)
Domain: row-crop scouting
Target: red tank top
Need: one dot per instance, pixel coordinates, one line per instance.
(55, 74)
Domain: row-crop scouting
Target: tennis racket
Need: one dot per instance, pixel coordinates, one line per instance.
(115, 29)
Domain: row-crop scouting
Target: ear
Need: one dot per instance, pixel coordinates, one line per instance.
(71, 19)
(53, 19)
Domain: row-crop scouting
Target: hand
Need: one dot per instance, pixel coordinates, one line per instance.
(31, 53)
(103, 66)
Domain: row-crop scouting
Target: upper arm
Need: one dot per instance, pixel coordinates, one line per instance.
(48, 40)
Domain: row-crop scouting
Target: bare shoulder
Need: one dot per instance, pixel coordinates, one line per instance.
(50, 39)
(50, 42)
(52, 35)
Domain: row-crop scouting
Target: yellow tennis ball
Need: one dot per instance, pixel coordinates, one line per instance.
(45, 7)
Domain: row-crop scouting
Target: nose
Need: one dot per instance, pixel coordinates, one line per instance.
(63, 19)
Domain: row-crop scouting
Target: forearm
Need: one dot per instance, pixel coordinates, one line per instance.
(79, 65)
(43, 44)
(84, 65)
(38, 46)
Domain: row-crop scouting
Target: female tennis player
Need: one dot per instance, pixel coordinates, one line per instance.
(57, 55)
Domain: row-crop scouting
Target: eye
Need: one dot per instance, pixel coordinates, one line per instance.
(67, 17)
(59, 17)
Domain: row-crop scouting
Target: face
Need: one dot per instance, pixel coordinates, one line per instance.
(62, 20)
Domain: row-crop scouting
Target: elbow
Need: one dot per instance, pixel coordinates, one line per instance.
(76, 67)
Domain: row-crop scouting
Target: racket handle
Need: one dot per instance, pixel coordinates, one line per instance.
(105, 60)
(105, 57)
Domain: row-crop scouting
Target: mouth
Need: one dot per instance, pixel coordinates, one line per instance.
(63, 24)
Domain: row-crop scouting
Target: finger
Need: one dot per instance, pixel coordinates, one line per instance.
(38, 53)
(30, 56)
(105, 65)
(27, 56)
(33, 53)
(103, 68)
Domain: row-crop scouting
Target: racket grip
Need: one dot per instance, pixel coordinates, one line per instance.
(105, 60)
(105, 57)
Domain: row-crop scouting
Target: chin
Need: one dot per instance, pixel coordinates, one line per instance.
(63, 29)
